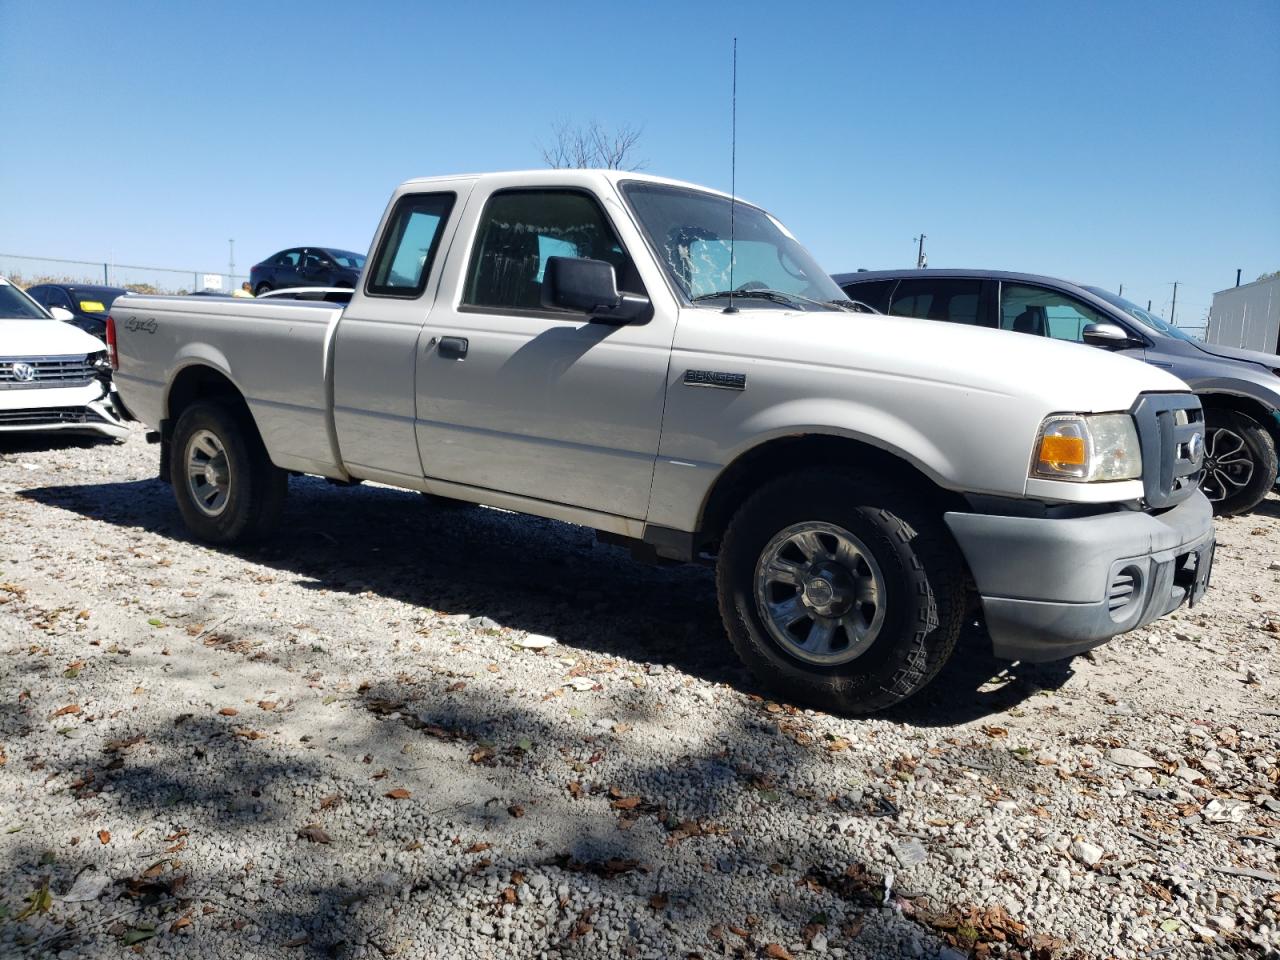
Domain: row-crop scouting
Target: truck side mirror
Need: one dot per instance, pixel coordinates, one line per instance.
(591, 287)
(1105, 335)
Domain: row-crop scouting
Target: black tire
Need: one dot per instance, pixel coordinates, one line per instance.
(261, 289)
(255, 488)
(923, 577)
(1240, 462)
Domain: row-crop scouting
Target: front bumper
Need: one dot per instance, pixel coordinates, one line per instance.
(92, 409)
(1056, 587)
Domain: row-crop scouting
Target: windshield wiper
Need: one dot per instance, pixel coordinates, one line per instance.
(776, 296)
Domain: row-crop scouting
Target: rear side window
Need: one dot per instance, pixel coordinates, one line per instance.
(874, 293)
(521, 229)
(408, 245)
(289, 258)
(955, 301)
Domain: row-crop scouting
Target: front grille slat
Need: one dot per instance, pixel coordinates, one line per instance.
(42, 416)
(46, 371)
(1172, 456)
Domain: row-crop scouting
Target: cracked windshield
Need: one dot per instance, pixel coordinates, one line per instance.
(690, 230)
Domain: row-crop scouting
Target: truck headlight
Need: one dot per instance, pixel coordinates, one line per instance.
(1087, 448)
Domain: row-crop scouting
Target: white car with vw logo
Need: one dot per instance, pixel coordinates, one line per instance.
(53, 376)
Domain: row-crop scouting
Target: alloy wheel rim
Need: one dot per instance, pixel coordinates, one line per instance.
(1228, 464)
(208, 473)
(820, 593)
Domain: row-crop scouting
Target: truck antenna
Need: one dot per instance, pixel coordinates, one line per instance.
(733, 169)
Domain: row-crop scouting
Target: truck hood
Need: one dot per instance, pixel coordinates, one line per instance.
(1058, 375)
(45, 338)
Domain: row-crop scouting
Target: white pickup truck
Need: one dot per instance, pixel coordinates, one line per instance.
(648, 358)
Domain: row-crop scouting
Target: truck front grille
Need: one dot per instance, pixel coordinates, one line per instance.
(1171, 435)
(20, 372)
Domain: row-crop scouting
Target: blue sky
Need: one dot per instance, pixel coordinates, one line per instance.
(1117, 142)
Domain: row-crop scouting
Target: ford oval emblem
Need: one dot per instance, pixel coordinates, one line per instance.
(1195, 446)
(24, 372)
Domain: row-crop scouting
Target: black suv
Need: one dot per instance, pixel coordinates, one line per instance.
(89, 303)
(1240, 389)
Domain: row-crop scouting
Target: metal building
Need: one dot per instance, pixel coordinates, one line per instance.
(1247, 316)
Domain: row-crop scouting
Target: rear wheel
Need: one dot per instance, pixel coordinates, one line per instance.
(1239, 462)
(261, 289)
(840, 591)
(227, 488)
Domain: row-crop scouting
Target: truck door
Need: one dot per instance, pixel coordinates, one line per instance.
(375, 351)
(540, 402)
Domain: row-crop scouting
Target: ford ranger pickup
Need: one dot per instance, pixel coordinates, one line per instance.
(669, 366)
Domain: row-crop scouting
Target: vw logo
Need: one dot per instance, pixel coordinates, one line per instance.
(24, 372)
(1195, 446)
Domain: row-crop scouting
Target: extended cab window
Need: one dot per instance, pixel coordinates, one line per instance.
(408, 245)
(517, 233)
(1045, 313)
(955, 301)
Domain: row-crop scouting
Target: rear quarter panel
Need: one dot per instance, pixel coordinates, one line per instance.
(275, 353)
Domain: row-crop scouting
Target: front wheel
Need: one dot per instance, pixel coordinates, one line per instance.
(1239, 462)
(840, 591)
(227, 488)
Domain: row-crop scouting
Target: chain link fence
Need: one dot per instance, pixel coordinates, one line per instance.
(28, 271)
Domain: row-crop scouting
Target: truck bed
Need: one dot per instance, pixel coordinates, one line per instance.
(279, 351)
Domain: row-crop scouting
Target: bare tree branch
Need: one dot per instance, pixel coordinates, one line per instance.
(592, 146)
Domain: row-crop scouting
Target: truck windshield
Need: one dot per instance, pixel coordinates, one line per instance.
(689, 231)
(16, 305)
(1144, 317)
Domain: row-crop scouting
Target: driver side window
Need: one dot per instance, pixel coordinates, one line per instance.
(521, 229)
(1044, 313)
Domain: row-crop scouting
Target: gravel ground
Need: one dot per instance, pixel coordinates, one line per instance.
(412, 731)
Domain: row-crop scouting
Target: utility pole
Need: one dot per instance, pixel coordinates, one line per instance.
(1237, 276)
(1121, 293)
(1173, 310)
(920, 259)
(231, 263)
(1148, 306)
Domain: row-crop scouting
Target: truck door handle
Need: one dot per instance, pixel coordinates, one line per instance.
(453, 348)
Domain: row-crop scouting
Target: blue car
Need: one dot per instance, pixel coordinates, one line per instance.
(306, 267)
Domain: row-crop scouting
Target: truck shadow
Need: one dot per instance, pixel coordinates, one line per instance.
(530, 574)
(12, 443)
